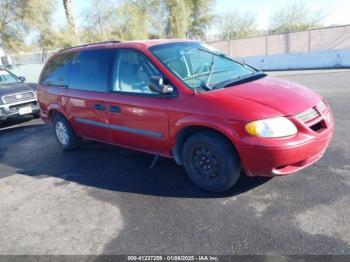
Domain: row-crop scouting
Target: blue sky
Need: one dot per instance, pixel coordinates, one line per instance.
(338, 11)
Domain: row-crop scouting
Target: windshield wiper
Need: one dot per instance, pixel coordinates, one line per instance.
(212, 53)
(239, 80)
(223, 56)
(210, 72)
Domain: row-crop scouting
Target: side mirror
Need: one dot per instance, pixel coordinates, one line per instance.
(156, 84)
(22, 78)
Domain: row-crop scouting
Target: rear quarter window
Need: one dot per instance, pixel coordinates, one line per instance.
(56, 72)
(90, 70)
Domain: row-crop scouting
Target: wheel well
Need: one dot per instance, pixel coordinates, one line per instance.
(54, 112)
(186, 133)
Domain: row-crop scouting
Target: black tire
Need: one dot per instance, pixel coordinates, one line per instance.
(36, 115)
(72, 141)
(211, 161)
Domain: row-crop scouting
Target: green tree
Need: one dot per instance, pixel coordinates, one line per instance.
(20, 17)
(201, 17)
(49, 36)
(157, 20)
(98, 18)
(50, 40)
(11, 32)
(123, 20)
(131, 21)
(235, 25)
(140, 19)
(296, 17)
(177, 18)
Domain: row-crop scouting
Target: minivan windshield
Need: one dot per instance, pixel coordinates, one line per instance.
(201, 66)
(7, 78)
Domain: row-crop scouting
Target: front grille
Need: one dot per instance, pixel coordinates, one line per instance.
(18, 97)
(17, 107)
(308, 115)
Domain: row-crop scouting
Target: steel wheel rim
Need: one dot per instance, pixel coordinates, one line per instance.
(62, 133)
(205, 163)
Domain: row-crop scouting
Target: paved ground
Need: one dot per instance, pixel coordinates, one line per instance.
(103, 199)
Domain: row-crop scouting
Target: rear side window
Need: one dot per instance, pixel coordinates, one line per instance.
(90, 70)
(57, 71)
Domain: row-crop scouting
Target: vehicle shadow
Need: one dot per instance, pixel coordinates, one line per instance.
(12, 122)
(102, 166)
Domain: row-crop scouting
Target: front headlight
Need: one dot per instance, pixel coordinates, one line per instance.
(273, 127)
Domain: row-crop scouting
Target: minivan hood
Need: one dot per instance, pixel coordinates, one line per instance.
(280, 95)
(9, 89)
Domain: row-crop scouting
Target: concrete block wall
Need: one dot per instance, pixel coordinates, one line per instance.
(295, 61)
(30, 71)
(329, 38)
(318, 48)
(300, 61)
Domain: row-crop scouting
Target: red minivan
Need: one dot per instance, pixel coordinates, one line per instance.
(184, 100)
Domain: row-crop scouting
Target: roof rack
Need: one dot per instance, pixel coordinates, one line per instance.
(104, 42)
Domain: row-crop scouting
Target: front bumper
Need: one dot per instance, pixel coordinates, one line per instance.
(12, 110)
(283, 156)
(265, 161)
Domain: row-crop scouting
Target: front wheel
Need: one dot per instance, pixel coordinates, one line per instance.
(64, 133)
(211, 161)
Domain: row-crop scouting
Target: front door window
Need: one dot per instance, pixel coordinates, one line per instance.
(132, 73)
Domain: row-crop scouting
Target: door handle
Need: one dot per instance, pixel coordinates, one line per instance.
(99, 107)
(115, 109)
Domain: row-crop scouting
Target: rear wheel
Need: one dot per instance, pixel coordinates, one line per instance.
(211, 161)
(64, 133)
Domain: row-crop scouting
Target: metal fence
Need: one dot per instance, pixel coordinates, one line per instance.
(328, 38)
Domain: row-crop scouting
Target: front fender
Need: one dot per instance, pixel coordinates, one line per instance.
(217, 124)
